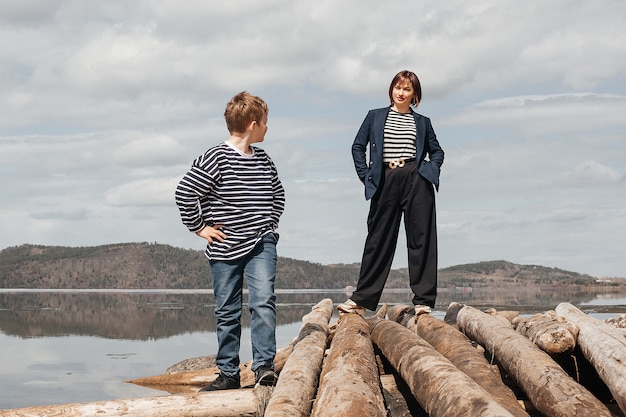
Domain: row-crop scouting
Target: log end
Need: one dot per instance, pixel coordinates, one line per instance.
(452, 313)
(382, 312)
(399, 313)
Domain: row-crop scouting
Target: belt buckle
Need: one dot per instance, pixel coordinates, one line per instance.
(396, 163)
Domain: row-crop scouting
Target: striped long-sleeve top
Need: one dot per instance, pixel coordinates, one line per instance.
(241, 192)
(399, 136)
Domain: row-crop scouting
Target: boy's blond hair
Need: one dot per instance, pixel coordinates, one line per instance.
(242, 110)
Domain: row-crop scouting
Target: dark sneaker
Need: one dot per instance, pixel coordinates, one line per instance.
(265, 375)
(223, 382)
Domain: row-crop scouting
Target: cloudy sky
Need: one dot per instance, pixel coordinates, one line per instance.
(104, 104)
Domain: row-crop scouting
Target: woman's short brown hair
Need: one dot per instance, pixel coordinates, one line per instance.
(242, 110)
(404, 76)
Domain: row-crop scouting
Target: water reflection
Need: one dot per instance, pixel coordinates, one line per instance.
(156, 315)
(76, 346)
(136, 316)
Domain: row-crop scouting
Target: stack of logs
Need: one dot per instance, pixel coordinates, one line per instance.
(562, 363)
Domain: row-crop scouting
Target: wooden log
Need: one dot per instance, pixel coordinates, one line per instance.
(604, 347)
(398, 398)
(296, 387)
(192, 364)
(349, 383)
(510, 315)
(458, 349)
(451, 313)
(382, 311)
(548, 387)
(173, 389)
(619, 321)
(206, 376)
(400, 313)
(231, 403)
(552, 334)
(439, 386)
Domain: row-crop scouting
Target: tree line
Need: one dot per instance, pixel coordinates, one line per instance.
(158, 266)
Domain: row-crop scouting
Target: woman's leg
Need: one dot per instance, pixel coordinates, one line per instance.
(383, 224)
(421, 236)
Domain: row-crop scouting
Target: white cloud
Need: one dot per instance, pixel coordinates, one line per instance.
(106, 104)
(592, 173)
(124, 62)
(153, 150)
(18, 13)
(548, 114)
(80, 214)
(145, 192)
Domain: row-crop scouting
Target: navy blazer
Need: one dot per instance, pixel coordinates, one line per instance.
(429, 154)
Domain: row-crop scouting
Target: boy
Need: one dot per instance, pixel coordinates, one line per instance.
(233, 198)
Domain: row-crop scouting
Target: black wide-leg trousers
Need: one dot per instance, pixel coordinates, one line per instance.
(402, 192)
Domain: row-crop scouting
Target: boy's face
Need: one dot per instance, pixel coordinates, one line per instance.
(258, 130)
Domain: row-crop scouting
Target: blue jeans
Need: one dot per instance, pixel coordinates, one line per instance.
(259, 267)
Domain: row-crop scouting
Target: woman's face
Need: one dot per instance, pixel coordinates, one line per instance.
(403, 94)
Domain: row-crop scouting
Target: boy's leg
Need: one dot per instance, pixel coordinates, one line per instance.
(227, 286)
(260, 271)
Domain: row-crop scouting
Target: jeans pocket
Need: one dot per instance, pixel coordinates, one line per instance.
(271, 237)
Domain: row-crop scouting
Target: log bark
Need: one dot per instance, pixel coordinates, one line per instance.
(510, 315)
(231, 403)
(349, 382)
(192, 364)
(400, 313)
(548, 387)
(553, 335)
(619, 321)
(206, 376)
(439, 387)
(604, 347)
(452, 312)
(295, 391)
(458, 349)
(398, 398)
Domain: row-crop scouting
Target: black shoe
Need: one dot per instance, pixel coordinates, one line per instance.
(223, 382)
(265, 375)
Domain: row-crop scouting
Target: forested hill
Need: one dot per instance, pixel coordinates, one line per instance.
(157, 266)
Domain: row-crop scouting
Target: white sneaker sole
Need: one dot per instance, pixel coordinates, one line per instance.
(350, 309)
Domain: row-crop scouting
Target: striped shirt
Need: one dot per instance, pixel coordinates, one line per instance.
(241, 192)
(399, 136)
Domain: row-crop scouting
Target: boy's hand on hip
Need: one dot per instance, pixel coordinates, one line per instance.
(209, 233)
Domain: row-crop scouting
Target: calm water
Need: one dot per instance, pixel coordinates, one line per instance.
(75, 346)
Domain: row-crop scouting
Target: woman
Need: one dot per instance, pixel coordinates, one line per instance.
(400, 179)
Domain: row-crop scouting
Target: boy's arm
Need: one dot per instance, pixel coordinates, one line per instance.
(209, 233)
(195, 185)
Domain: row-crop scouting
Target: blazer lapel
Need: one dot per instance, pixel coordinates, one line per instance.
(420, 134)
(379, 130)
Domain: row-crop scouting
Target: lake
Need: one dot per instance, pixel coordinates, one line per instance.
(68, 346)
